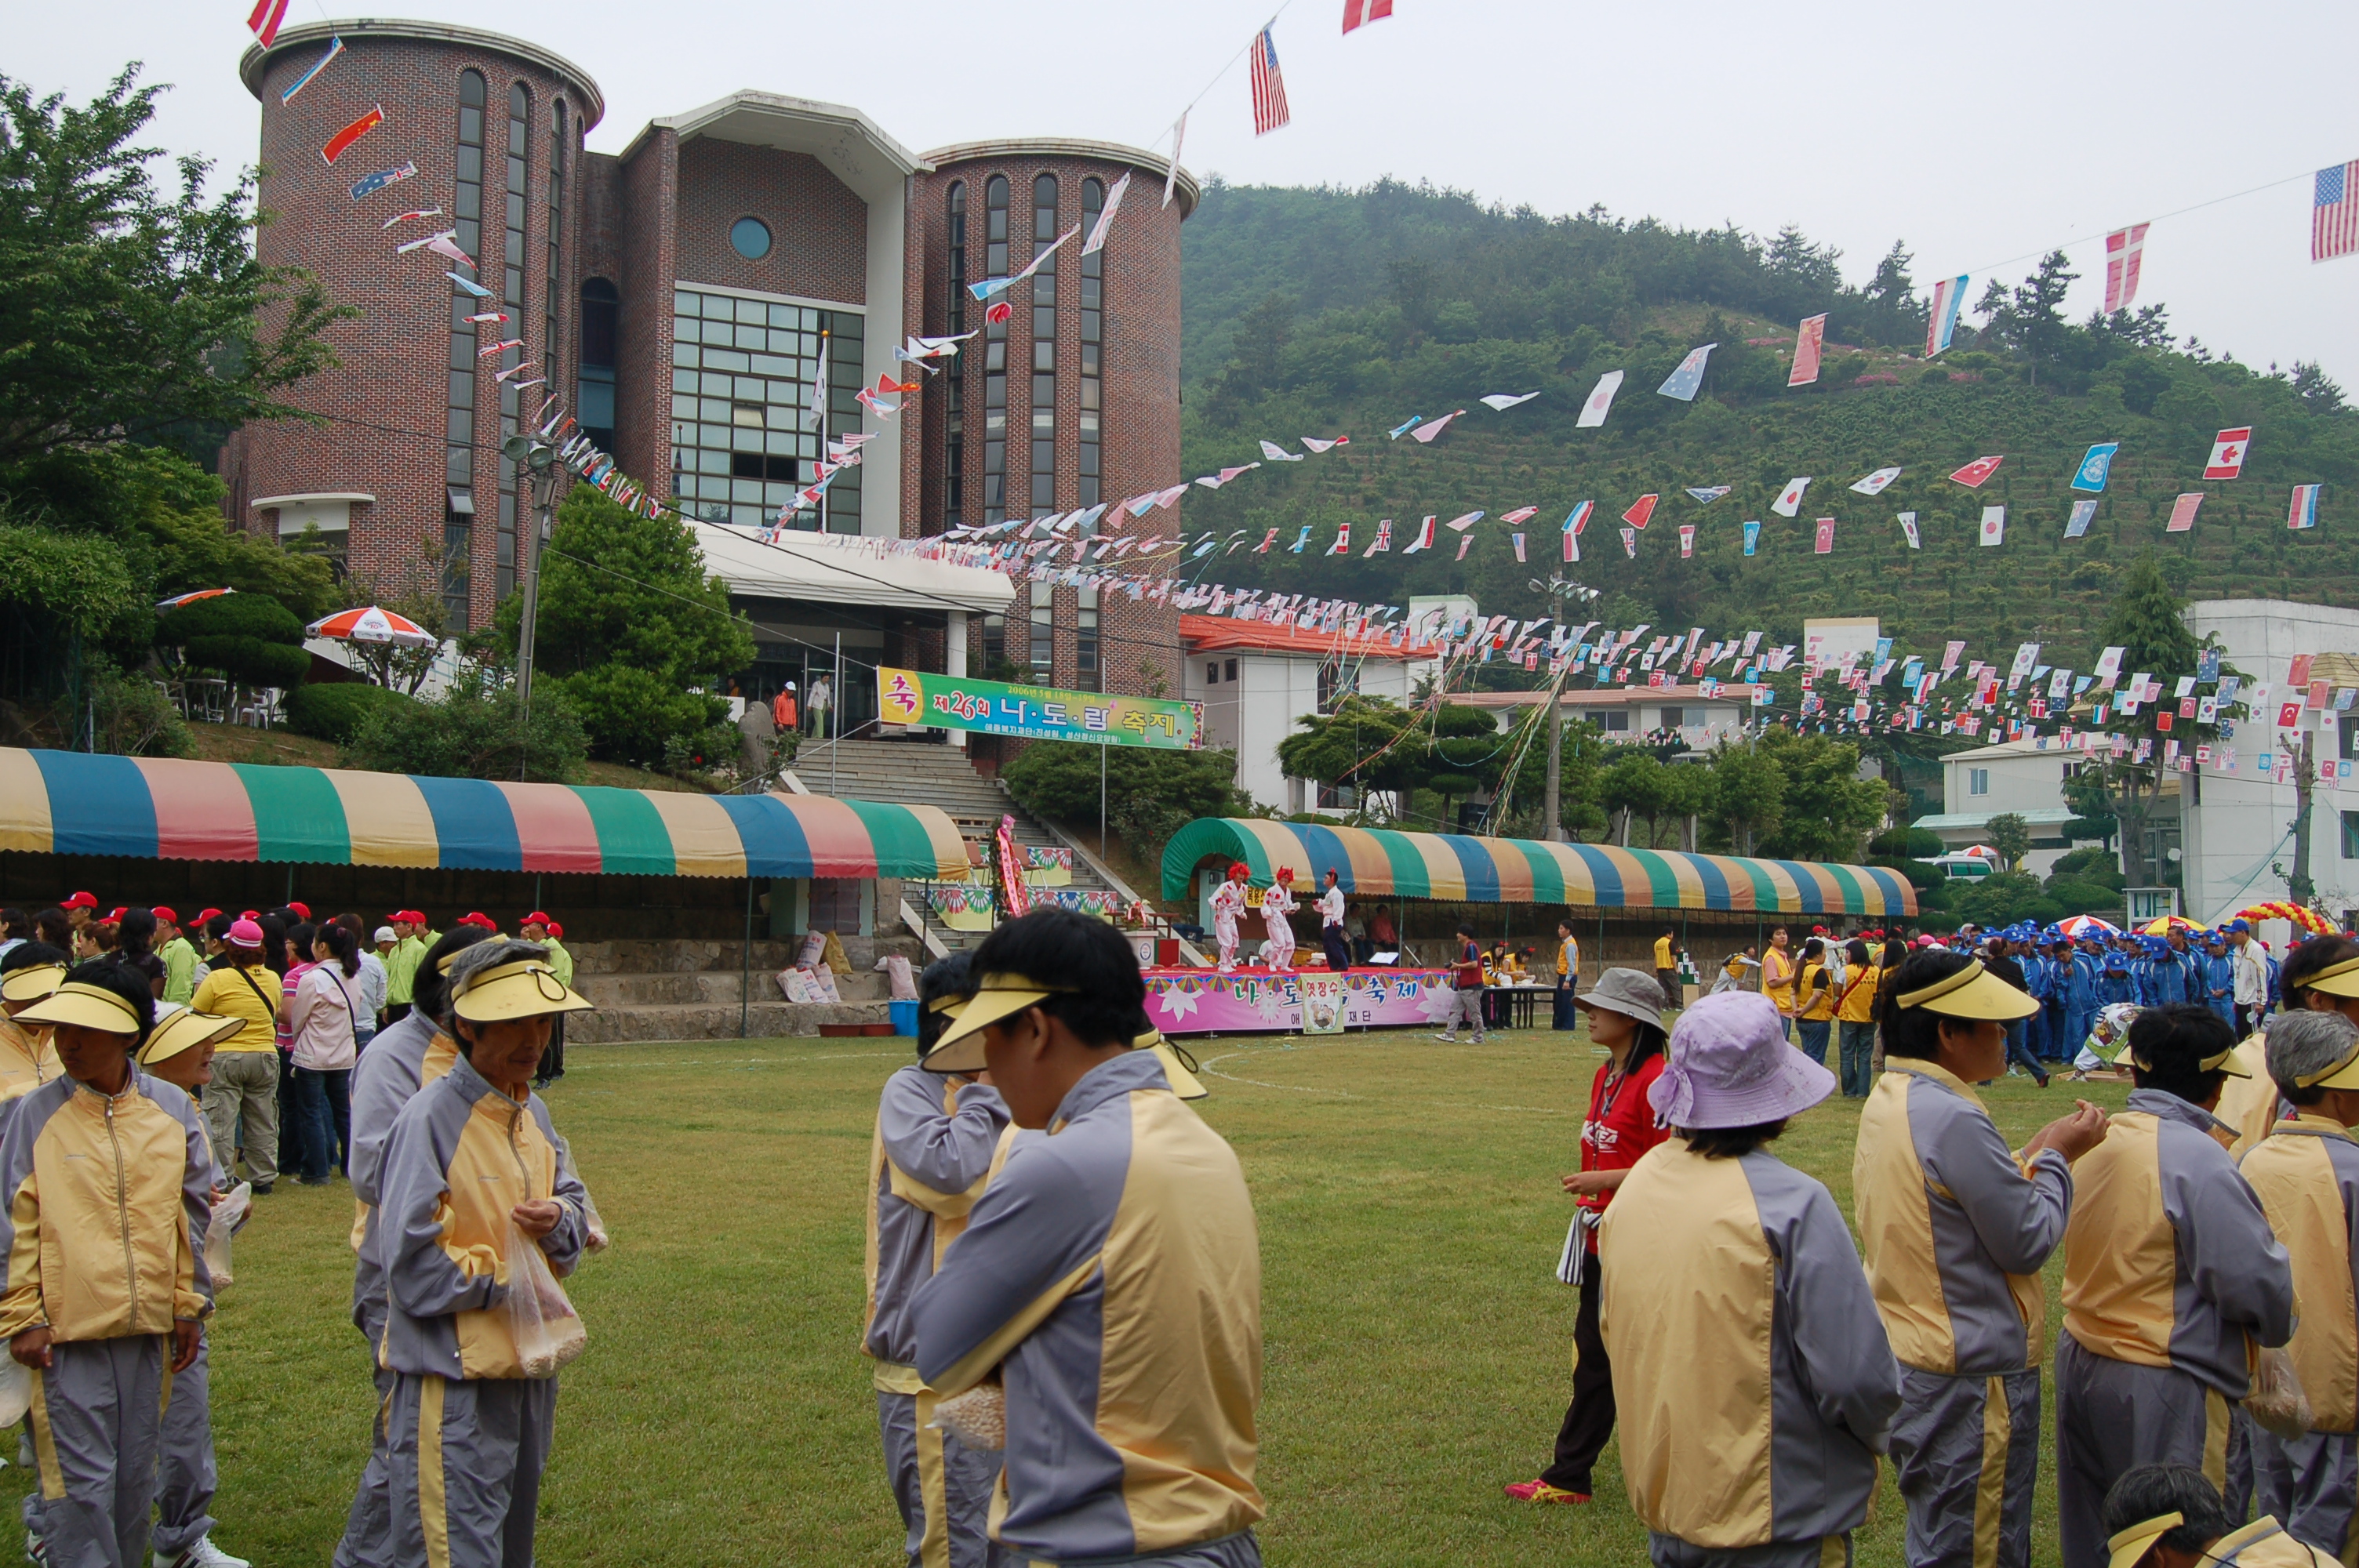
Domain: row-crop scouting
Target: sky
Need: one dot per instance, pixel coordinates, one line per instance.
(1980, 137)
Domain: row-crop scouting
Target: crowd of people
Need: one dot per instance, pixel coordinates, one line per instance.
(143, 1061)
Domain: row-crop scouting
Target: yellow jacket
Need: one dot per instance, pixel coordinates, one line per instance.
(105, 1197)
(254, 994)
(28, 1060)
(2306, 1174)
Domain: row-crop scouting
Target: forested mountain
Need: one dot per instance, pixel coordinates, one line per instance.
(1325, 312)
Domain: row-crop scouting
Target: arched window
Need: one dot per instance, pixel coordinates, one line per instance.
(512, 271)
(459, 452)
(994, 356)
(954, 382)
(553, 290)
(1093, 328)
(1044, 349)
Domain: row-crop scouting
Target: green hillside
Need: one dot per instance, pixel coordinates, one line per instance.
(1325, 312)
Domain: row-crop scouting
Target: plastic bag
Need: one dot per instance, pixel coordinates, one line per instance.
(2277, 1403)
(977, 1417)
(546, 1330)
(227, 1216)
(595, 1238)
(15, 1389)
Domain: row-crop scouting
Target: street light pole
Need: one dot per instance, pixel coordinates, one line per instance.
(543, 485)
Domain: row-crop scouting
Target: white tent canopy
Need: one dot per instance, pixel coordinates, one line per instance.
(847, 569)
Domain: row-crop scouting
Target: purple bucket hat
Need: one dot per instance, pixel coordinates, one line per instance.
(1729, 1065)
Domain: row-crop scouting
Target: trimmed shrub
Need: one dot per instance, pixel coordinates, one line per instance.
(334, 711)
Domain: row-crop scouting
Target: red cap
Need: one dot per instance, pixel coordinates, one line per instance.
(203, 915)
(476, 917)
(557, 931)
(164, 916)
(250, 914)
(116, 915)
(535, 918)
(78, 901)
(301, 910)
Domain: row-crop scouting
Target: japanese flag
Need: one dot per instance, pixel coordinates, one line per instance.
(1600, 400)
(1789, 500)
(2228, 450)
(1994, 526)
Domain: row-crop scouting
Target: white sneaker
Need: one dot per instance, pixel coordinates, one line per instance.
(1447, 1039)
(203, 1555)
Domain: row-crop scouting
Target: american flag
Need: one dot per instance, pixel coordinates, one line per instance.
(2333, 202)
(1268, 87)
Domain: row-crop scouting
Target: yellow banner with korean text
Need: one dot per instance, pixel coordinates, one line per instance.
(1036, 712)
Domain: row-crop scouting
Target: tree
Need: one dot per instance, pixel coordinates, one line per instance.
(1828, 810)
(1748, 794)
(2010, 835)
(629, 624)
(124, 310)
(1636, 786)
(1150, 794)
(2032, 320)
(473, 732)
(2144, 624)
(1370, 744)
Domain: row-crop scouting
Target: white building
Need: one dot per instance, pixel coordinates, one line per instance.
(1702, 719)
(2237, 844)
(1258, 682)
(2023, 778)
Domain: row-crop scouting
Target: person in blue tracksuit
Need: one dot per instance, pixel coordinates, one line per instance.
(2165, 977)
(2037, 980)
(2081, 998)
(2116, 979)
(2220, 978)
(2060, 987)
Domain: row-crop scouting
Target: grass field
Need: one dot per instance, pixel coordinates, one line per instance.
(1418, 1345)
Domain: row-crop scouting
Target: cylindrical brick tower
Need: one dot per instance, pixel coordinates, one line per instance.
(1072, 400)
(407, 460)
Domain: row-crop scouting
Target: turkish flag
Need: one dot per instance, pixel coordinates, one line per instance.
(1973, 475)
(2289, 715)
(2228, 450)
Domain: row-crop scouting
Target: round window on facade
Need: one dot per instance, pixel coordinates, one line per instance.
(751, 238)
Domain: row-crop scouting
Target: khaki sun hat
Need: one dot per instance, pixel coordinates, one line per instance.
(32, 982)
(1628, 993)
(527, 988)
(2124, 1549)
(186, 1030)
(1972, 992)
(960, 1049)
(1184, 1083)
(90, 1006)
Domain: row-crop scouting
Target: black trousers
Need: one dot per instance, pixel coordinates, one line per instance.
(1339, 952)
(394, 1013)
(1590, 1421)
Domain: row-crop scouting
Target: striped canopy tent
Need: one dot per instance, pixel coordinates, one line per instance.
(1462, 868)
(69, 803)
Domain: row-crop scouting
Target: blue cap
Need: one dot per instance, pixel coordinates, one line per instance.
(2238, 924)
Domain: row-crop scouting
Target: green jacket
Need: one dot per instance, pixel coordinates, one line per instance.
(561, 961)
(179, 969)
(401, 971)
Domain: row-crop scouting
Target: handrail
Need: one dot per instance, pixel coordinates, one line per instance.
(924, 933)
(1105, 874)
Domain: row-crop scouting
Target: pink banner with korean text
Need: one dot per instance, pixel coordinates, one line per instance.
(1254, 1001)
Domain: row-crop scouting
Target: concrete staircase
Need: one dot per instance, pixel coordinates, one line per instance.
(921, 773)
(692, 991)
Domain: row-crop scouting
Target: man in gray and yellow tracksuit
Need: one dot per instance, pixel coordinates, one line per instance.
(407, 1055)
(2307, 1176)
(1109, 1276)
(1752, 1378)
(1954, 1229)
(472, 1160)
(109, 1183)
(936, 1138)
(28, 1059)
(2171, 1278)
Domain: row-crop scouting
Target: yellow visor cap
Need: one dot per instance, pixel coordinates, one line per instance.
(2124, 1549)
(2337, 979)
(1972, 992)
(2343, 1075)
(525, 989)
(32, 982)
(90, 1006)
(960, 1048)
(185, 1031)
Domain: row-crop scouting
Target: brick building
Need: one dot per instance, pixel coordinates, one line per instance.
(682, 297)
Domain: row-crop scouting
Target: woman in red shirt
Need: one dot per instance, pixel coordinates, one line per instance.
(1626, 1016)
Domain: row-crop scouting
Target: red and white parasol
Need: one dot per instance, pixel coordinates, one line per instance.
(2079, 925)
(372, 625)
(178, 600)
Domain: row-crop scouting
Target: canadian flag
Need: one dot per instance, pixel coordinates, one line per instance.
(1789, 500)
(1640, 511)
(2228, 450)
(1687, 540)
(1974, 474)
(1342, 544)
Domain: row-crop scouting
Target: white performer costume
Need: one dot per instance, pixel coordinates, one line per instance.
(1277, 903)
(1228, 903)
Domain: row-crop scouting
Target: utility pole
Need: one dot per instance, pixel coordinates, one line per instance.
(538, 460)
(2299, 886)
(1555, 763)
